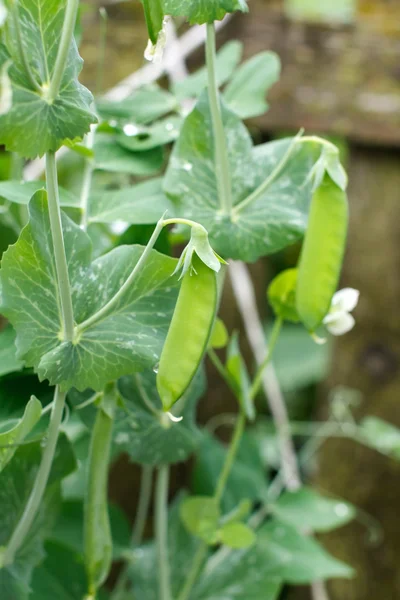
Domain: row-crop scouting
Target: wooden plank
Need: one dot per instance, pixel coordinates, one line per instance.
(343, 79)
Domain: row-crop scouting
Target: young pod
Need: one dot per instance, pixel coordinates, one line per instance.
(188, 333)
(322, 253)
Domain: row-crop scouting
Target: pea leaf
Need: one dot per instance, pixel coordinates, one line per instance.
(53, 577)
(200, 515)
(33, 126)
(380, 435)
(237, 535)
(198, 11)
(228, 58)
(139, 139)
(11, 437)
(111, 156)
(246, 91)
(20, 192)
(305, 508)
(140, 204)
(142, 107)
(129, 339)
(144, 431)
(8, 352)
(297, 558)
(16, 482)
(277, 218)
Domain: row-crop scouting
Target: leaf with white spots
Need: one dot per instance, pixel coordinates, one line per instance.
(306, 508)
(277, 218)
(129, 339)
(203, 11)
(32, 125)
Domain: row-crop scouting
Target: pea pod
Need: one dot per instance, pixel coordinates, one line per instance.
(322, 253)
(98, 538)
(189, 332)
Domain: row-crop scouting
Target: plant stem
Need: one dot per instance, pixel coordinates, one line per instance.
(181, 221)
(257, 382)
(230, 457)
(138, 528)
(195, 569)
(161, 530)
(35, 498)
(63, 49)
(107, 308)
(59, 249)
(20, 45)
(263, 187)
(221, 160)
(101, 51)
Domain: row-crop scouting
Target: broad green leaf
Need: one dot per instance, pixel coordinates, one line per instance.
(61, 575)
(200, 515)
(241, 575)
(182, 548)
(139, 204)
(154, 14)
(11, 437)
(381, 436)
(307, 509)
(34, 126)
(228, 58)
(282, 295)
(277, 218)
(297, 558)
(160, 133)
(246, 91)
(145, 432)
(16, 482)
(129, 339)
(237, 535)
(144, 106)
(110, 156)
(247, 478)
(198, 11)
(298, 360)
(21, 192)
(8, 352)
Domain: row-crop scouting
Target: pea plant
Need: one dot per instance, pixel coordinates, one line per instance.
(105, 332)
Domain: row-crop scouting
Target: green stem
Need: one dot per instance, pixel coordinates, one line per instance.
(195, 569)
(63, 49)
(35, 498)
(21, 49)
(59, 249)
(230, 457)
(111, 304)
(161, 530)
(180, 221)
(263, 187)
(255, 387)
(138, 528)
(101, 52)
(221, 160)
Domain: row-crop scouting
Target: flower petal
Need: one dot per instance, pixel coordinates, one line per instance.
(345, 300)
(342, 324)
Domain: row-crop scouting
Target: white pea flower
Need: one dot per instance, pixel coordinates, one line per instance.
(339, 321)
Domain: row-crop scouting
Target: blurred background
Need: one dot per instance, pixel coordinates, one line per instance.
(341, 79)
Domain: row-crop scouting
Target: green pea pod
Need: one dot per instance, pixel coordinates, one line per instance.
(322, 253)
(188, 333)
(98, 538)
